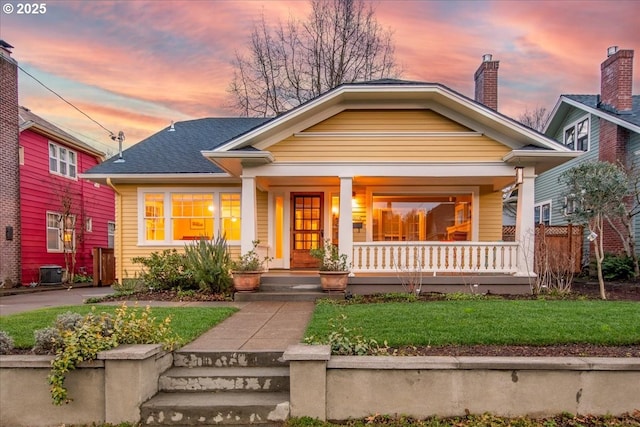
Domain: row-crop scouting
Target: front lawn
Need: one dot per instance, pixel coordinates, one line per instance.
(488, 322)
(187, 322)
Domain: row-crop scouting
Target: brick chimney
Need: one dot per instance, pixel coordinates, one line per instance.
(9, 169)
(616, 80)
(486, 78)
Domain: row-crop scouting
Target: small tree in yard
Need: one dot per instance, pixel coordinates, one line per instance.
(597, 191)
(68, 219)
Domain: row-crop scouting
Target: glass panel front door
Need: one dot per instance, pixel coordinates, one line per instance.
(307, 228)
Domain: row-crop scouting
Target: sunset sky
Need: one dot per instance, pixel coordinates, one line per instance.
(134, 66)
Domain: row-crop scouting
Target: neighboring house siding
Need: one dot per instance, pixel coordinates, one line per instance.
(490, 221)
(633, 157)
(547, 184)
(41, 193)
(342, 147)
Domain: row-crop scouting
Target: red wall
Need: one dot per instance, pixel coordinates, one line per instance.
(40, 192)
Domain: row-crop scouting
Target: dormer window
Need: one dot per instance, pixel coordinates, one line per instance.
(62, 161)
(576, 136)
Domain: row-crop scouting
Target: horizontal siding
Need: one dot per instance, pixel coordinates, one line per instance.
(405, 148)
(388, 121)
(262, 208)
(490, 221)
(40, 192)
(345, 147)
(547, 184)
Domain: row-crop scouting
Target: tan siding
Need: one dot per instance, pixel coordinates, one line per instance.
(262, 200)
(129, 230)
(490, 229)
(388, 121)
(444, 148)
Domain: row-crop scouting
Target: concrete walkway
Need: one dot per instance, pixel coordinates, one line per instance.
(258, 326)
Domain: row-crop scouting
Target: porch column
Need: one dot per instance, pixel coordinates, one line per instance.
(248, 226)
(525, 223)
(345, 225)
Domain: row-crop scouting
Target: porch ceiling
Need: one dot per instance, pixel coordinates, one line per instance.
(366, 181)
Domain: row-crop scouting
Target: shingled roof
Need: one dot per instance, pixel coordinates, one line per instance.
(591, 101)
(178, 151)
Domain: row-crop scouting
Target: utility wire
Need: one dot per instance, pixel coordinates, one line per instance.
(111, 134)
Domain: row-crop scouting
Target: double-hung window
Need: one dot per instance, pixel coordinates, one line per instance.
(111, 234)
(576, 135)
(169, 216)
(62, 161)
(61, 233)
(542, 213)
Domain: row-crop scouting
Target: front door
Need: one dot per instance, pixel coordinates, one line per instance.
(307, 231)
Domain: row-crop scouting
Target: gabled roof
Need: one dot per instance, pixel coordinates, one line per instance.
(389, 93)
(589, 103)
(177, 151)
(29, 120)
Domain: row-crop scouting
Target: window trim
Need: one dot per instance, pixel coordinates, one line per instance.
(88, 224)
(167, 192)
(60, 229)
(539, 205)
(111, 233)
(67, 162)
(574, 125)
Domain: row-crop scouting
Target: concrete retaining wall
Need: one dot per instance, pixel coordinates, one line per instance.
(109, 389)
(342, 387)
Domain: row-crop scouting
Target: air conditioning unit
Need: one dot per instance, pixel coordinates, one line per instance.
(50, 275)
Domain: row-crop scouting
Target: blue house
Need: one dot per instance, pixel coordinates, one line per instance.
(603, 126)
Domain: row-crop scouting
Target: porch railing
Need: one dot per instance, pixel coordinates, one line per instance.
(436, 257)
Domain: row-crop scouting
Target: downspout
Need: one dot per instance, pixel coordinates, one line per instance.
(118, 235)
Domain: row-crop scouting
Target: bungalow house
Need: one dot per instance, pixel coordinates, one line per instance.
(47, 211)
(392, 172)
(603, 126)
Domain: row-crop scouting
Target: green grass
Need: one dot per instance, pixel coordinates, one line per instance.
(187, 322)
(491, 322)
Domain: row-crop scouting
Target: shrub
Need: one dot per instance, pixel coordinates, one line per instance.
(617, 267)
(68, 321)
(330, 258)
(6, 343)
(208, 262)
(347, 341)
(129, 286)
(165, 270)
(250, 261)
(48, 340)
(97, 333)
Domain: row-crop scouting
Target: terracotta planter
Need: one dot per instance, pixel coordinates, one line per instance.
(246, 281)
(334, 281)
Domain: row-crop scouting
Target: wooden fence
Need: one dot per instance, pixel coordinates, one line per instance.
(558, 244)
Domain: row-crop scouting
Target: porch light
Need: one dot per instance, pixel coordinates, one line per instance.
(519, 175)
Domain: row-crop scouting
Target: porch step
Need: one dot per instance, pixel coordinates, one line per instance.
(228, 359)
(288, 291)
(255, 379)
(211, 408)
(205, 388)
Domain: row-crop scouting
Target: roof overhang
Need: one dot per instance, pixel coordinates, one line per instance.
(51, 134)
(541, 160)
(564, 102)
(232, 162)
(362, 96)
(173, 178)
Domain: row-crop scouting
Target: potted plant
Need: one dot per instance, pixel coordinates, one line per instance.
(248, 269)
(334, 267)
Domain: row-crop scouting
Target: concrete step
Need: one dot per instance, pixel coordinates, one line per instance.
(270, 379)
(227, 359)
(208, 409)
(285, 296)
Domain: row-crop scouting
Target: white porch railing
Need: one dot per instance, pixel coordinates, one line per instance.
(436, 257)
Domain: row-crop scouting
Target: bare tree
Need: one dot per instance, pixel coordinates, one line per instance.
(68, 219)
(536, 118)
(339, 42)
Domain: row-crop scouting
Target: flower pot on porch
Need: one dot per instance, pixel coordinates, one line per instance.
(334, 281)
(246, 281)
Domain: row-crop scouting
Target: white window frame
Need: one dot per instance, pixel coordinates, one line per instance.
(88, 224)
(59, 232)
(540, 206)
(574, 125)
(168, 231)
(111, 234)
(56, 157)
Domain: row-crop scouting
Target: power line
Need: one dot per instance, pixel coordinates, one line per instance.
(111, 134)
